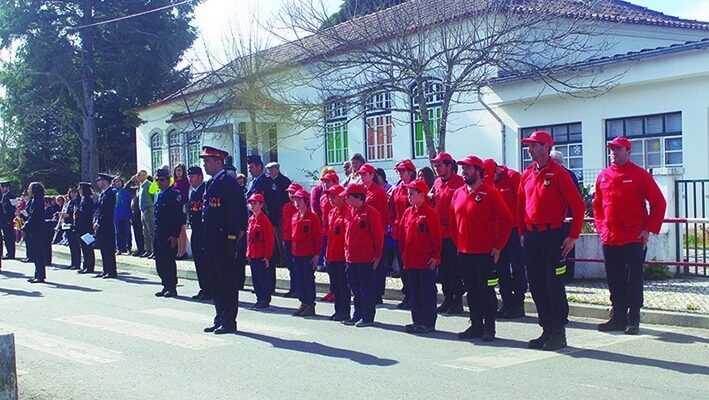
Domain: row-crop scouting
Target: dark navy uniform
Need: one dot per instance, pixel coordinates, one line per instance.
(71, 234)
(197, 242)
(36, 233)
(105, 232)
(7, 217)
(223, 219)
(83, 224)
(169, 219)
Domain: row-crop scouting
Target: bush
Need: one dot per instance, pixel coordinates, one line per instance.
(656, 272)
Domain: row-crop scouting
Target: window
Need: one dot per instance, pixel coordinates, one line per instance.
(567, 140)
(379, 127)
(156, 151)
(656, 139)
(336, 138)
(174, 148)
(194, 148)
(434, 97)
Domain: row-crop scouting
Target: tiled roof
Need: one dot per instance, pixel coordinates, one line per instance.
(617, 11)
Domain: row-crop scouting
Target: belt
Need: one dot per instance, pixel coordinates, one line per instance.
(543, 227)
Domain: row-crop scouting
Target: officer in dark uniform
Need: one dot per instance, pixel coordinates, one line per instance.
(197, 184)
(104, 227)
(83, 223)
(7, 217)
(223, 222)
(169, 219)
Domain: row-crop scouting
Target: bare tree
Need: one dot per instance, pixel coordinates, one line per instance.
(448, 51)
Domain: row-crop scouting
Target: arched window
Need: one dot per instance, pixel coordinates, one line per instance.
(174, 147)
(379, 127)
(156, 150)
(433, 93)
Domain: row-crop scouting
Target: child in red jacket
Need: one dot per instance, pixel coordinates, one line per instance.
(288, 211)
(259, 250)
(307, 243)
(335, 252)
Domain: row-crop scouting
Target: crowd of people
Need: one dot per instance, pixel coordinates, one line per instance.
(472, 231)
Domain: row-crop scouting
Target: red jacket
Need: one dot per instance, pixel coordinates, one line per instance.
(420, 236)
(480, 220)
(619, 208)
(364, 236)
(307, 234)
(287, 215)
(335, 251)
(442, 195)
(326, 207)
(260, 240)
(508, 186)
(377, 198)
(545, 196)
(398, 203)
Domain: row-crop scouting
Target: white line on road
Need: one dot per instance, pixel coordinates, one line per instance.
(82, 353)
(171, 337)
(246, 326)
(512, 357)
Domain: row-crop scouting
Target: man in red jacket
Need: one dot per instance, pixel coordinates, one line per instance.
(419, 238)
(335, 252)
(449, 271)
(546, 192)
(376, 198)
(364, 243)
(621, 217)
(480, 225)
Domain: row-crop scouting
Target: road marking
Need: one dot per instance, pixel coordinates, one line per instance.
(246, 326)
(512, 357)
(79, 352)
(171, 337)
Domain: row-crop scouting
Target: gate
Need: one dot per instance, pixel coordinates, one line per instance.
(692, 238)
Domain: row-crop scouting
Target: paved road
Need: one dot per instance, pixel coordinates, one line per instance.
(84, 338)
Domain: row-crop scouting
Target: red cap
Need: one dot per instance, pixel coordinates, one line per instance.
(294, 187)
(539, 137)
(335, 190)
(354, 188)
(302, 194)
(418, 184)
(473, 161)
(620, 141)
(443, 156)
(208, 151)
(404, 165)
(331, 176)
(368, 168)
(256, 197)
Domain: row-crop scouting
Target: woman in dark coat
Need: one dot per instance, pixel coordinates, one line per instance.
(70, 228)
(83, 224)
(36, 232)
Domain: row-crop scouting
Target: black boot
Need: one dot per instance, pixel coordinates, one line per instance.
(489, 330)
(616, 323)
(557, 340)
(633, 327)
(443, 308)
(538, 343)
(474, 331)
(456, 305)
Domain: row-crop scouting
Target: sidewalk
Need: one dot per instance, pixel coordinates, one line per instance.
(680, 302)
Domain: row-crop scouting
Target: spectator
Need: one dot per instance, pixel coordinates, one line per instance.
(426, 173)
(356, 163)
(135, 219)
(69, 227)
(381, 179)
(121, 216)
(35, 231)
(147, 215)
(274, 205)
(318, 191)
(180, 182)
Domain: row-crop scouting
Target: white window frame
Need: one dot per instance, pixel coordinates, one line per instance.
(156, 150)
(643, 132)
(568, 139)
(174, 145)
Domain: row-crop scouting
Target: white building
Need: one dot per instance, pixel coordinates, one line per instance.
(661, 102)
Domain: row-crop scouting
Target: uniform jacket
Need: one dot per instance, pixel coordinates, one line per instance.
(7, 212)
(545, 196)
(223, 212)
(326, 207)
(508, 186)
(364, 236)
(307, 234)
(480, 220)
(83, 216)
(442, 195)
(277, 197)
(377, 198)
(287, 214)
(103, 217)
(261, 237)
(169, 217)
(398, 203)
(194, 207)
(619, 205)
(337, 227)
(420, 237)
(34, 224)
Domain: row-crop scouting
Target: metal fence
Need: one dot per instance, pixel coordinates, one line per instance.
(691, 205)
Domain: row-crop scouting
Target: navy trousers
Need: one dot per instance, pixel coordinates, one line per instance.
(305, 278)
(480, 278)
(546, 271)
(226, 296)
(513, 276)
(422, 287)
(360, 276)
(165, 264)
(449, 271)
(261, 279)
(624, 271)
(338, 279)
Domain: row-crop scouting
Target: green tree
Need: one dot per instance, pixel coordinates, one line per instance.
(354, 8)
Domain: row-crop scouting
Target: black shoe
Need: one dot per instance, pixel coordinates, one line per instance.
(299, 310)
(557, 340)
(110, 276)
(339, 317)
(410, 328)
(613, 325)
(199, 295)
(223, 330)
(82, 271)
(633, 327)
(35, 280)
(170, 293)
(101, 275)
(455, 309)
(538, 343)
(474, 331)
(404, 305)
(289, 294)
(25, 260)
(423, 329)
(206, 297)
(8, 257)
(260, 306)
(443, 308)
(73, 267)
(160, 293)
(151, 257)
(514, 312)
(351, 322)
(308, 311)
(488, 336)
(145, 255)
(211, 329)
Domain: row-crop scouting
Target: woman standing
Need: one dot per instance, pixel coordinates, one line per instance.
(83, 224)
(182, 186)
(70, 228)
(36, 231)
(307, 243)
(335, 253)
(259, 250)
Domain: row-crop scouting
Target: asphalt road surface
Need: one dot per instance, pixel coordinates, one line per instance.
(84, 338)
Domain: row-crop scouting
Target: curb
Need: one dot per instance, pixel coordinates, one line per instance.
(580, 310)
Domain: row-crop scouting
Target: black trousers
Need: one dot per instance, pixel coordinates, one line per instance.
(165, 263)
(37, 252)
(338, 279)
(513, 276)
(226, 296)
(74, 248)
(449, 272)
(137, 225)
(108, 253)
(624, 271)
(546, 271)
(201, 265)
(8, 237)
(89, 257)
(480, 276)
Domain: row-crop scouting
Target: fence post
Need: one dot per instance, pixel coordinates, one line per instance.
(665, 178)
(8, 372)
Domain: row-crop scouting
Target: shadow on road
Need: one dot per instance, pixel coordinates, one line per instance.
(23, 293)
(65, 286)
(321, 349)
(685, 368)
